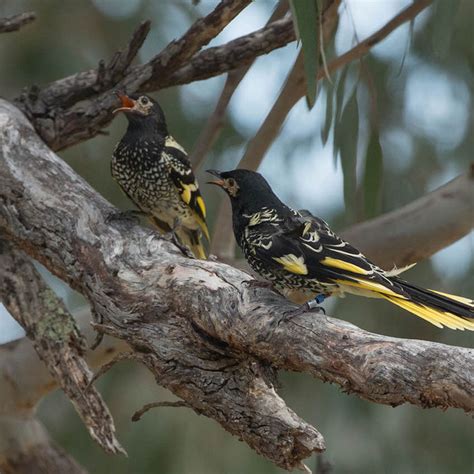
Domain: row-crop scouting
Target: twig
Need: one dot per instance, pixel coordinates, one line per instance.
(14, 23)
(272, 124)
(139, 413)
(215, 122)
(110, 74)
(202, 31)
(106, 367)
(234, 54)
(214, 125)
(365, 46)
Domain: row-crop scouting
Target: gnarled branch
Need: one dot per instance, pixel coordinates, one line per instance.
(209, 339)
(56, 339)
(76, 108)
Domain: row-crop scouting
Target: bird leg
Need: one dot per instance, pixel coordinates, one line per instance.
(172, 237)
(311, 306)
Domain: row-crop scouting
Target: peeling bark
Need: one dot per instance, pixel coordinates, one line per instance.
(209, 339)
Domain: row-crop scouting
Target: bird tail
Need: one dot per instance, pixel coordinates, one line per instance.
(193, 240)
(440, 309)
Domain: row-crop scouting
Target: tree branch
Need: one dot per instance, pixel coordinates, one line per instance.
(215, 122)
(202, 31)
(222, 243)
(24, 443)
(56, 340)
(26, 448)
(76, 108)
(421, 228)
(209, 339)
(15, 22)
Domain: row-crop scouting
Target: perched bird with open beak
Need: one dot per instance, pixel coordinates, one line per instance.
(297, 251)
(155, 173)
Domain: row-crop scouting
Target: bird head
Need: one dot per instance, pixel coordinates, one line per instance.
(248, 191)
(141, 110)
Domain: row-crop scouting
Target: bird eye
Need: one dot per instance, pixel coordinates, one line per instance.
(231, 182)
(144, 100)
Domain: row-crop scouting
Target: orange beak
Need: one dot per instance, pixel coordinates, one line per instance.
(218, 182)
(127, 103)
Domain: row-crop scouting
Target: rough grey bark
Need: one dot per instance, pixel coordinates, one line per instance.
(203, 334)
(25, 446)
(56, 339)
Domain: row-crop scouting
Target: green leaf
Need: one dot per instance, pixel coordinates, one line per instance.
(349, 134)
(305, 20)
(340, 93)
(444, 25)
(373, 176)
(329, 113)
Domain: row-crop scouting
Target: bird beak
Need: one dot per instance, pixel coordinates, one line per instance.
(127, 103)
(218, 182)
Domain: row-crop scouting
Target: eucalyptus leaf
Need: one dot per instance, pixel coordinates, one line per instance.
(349, 137)
(373, 176)
(329, 113)
(444, 25)
(305, 20)
(340, 93)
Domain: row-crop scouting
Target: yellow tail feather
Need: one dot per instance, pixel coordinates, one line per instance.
(460, 299)
(434, 316)
(193, 240)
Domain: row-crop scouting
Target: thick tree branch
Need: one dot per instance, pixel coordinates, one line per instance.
(27, 379)
(56, 340)
(204, 335)
(14, 23)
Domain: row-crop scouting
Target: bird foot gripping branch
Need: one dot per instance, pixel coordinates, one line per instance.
(311, 306)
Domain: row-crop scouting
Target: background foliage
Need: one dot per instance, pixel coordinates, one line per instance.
(383, 133)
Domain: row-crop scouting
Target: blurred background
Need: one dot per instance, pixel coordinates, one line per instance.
(422, 76)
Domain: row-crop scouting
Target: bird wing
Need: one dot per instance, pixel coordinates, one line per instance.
(183, 178)
(305, 245)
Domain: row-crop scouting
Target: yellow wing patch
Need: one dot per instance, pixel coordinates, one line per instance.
(172, 143)
(370, 286)
(350, 267)
(293, 264)
(202, 206)
(188, 189)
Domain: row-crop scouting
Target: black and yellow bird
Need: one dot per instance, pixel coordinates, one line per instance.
(297, 251)
(155, 173)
